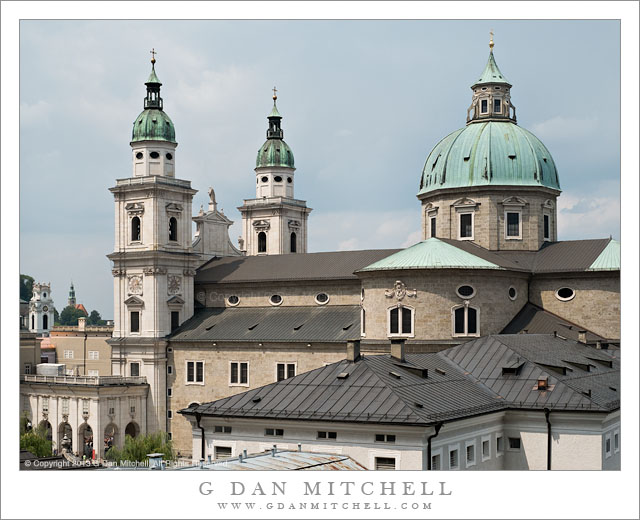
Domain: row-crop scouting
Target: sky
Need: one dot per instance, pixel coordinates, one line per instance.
(363, 104)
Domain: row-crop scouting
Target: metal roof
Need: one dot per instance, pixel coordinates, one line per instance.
(334, 265)
(491, 73)
(570, 255)
(609, 259)
(282, 460)
(331, 323)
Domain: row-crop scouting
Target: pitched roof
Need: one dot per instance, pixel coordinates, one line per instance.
(570, 255)
(334, 265)
(331, 323)
(491, 73)
(609, 259)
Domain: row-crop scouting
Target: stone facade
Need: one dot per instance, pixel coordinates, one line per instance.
(84, 357)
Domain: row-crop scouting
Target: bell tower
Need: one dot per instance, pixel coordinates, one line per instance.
(275, 222)
(153, 261)
(41, 314)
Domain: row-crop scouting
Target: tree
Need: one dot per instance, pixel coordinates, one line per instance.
(26, 287)
(95, 318)
(70, 315)
(137, 448)
(56, 317)
(35, 440)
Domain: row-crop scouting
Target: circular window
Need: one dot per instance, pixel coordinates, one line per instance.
(466, 291)
(154, 155)
(169, 156)
(322, 298)
(275, 299)
(233, 300)
(265, 179)
(45, 308)
(484, 88)
(513, 294)
(277, 178)
(565, 294)
(139, 155)
(289, 180)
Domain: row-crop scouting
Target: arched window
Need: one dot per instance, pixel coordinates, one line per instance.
(293, 243)
(262, 242)
(135, 229)
(400, 321)
(173, 229)
(33, 321)
(45, 321)
(465, 321)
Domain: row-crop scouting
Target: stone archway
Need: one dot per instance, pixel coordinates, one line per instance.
(85, 440)
(46, 424)
(64, 428)
(110, 437)
(132, 429)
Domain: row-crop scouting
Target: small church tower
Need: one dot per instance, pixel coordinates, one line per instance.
(71, 302)
(275, 222)
(41, 314)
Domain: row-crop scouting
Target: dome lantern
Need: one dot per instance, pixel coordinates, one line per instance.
(275, 152)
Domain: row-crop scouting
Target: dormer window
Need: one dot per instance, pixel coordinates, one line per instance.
(484, 106)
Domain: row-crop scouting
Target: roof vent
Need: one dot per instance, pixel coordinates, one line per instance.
(395, 374)
(419, 405)
(612, 388)
(257, 399)
(298, 327)
(587, 392)
(210, 327)
(514, 368)
(543, 383)
(253, 326)
(441, 372)
(347, 327)
(343, 375)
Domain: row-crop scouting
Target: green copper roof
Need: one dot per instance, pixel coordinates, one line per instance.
(491, 73)
(431, 254)
(153, 125)
(152, 77)
(489, 153)
(609, 259)
(275, 152)
(274, 111)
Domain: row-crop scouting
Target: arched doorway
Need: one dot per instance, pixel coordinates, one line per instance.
(132, 429)
(64, 429)
(47, 425)
(85, 441)
(110, 436)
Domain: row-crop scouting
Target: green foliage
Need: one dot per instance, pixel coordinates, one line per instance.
(35, 441)
(95, 318)
(56, 316)
(26, 287)
(137, 448)
(70, 315)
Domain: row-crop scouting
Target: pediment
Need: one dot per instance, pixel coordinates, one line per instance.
(175, 300)
(134, 301)
(514, 201)
(465, 202)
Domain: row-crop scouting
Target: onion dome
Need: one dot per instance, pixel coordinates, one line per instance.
(153, 124)
(275, 152)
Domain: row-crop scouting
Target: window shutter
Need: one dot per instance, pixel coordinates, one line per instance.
(385, 464)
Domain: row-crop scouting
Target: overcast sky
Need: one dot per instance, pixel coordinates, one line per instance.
(363, 103)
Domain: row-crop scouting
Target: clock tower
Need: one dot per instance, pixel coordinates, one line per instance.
(41, 309)
(153, 261)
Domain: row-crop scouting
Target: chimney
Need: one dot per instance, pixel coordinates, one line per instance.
(299, 447)
(82, 323)
(555, 333)
(209, 458)
(582, 336)
(353, 350)
(598, 344)
(397, 349)
(244, 454)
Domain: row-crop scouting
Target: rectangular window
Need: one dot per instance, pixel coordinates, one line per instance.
(195, 371)
(135, 321)
(93, 373)
(393, 321)
(514, 443)
(383, 437)
(27, 368)
(513, 224)
(607, 445)
(169, 369)
(85, 406)
(65, 405)
(68, 354)
(221, 452)
(132, 406)
(436, 462)
(466, 225)
(169, 392)
(274, 432)
(111, 406)
(547, 236)
(616, 442)
(486, 447)
(175, 320)
(45, 404)
(94, 355)
(459, 321)
(500, 445)
(385, 464)
(471, 455)
(472, 321)
(363, 322)
(285, 371)
(134, 369)
(453, 459)
(328, 435)
(401, 320)
(169, 414)
(222, 429)
(484, 106)
(432, 221)
(497, 106)
(239, 373)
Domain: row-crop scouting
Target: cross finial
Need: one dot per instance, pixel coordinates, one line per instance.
(153, 55)
(491, 40)
(274, 93)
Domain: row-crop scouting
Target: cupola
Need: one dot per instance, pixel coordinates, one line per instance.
(275, 152)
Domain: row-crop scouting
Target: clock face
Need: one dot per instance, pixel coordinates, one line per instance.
(45, 308)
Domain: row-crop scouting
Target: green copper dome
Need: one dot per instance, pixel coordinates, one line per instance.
(153, 125)
(489, 153)
(275, 152)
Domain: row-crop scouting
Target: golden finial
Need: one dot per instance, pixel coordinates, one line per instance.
(491, 40)
(274, 93)
(153, 55)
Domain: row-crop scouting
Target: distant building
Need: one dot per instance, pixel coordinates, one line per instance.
(82, 348)
(41, 315)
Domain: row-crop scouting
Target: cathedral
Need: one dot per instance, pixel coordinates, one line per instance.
(203, 319)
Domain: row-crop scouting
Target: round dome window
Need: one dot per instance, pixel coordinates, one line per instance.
(322, 298)
(169, 156)
(277, 178)
(154, 155)
(233, 300)
(565, 294)
(139, 155)
(265, 179)
(275, 299)
(466, 291)
(513, 294)
(289, 180)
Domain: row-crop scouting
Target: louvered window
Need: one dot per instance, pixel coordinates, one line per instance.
(385, 464)
(222, 452)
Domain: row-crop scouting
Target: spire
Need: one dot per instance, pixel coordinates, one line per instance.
(153, 99)
(491, 73)
(274, 131)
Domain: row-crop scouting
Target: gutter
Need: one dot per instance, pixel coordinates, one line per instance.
(438, 426)
(202, 446)
(547, 412)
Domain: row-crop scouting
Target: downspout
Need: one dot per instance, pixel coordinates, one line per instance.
(438, 426)
(547, 412)
(198, 417)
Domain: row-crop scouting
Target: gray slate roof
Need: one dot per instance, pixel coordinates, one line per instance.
(327, 324)
(463, 381)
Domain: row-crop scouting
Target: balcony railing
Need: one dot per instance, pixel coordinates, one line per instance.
(85, 380)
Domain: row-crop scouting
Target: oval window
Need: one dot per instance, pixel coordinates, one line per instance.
(466, 291)
(322, 298)
(275, 299)
(565, 294)
(44, 295)
(139, 155)
(265, 179)
(289, 180)
(169, 156)
(513, 294)
(233, 300)
(154, 155)
(277, 178)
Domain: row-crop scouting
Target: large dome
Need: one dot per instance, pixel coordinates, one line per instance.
(489, 153)
(153, 125)
(275, 152)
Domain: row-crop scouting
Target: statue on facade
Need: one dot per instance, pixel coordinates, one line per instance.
(213, 205)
